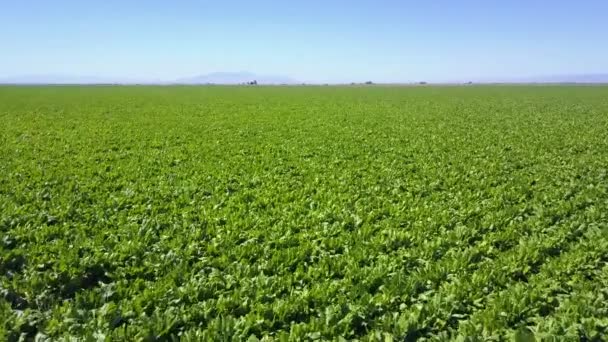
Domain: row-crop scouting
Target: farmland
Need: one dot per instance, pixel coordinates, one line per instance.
(304, 213)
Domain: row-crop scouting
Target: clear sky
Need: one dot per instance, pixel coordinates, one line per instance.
(321, 41)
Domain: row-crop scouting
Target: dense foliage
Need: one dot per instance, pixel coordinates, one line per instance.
(302, 213)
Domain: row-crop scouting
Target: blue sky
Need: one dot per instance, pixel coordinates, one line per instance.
(320, 41)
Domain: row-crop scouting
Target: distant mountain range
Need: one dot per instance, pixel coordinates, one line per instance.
(212, 78)
(236, 78)
(244, 77)
(548, 79)
(67, 79)
(579, 78)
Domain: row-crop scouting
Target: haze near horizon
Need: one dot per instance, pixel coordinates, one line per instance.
(313, 41)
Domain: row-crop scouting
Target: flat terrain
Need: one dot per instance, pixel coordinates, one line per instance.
(380, 213)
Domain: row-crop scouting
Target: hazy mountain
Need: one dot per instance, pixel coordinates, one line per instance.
(244, 76)
(236, 78)
(52, 79)
(575, 78)
(212, 78)
(563, 78)
(67, 79)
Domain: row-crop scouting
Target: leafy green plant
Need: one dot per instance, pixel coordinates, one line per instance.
(304, 213)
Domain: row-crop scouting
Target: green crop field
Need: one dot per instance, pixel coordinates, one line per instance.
(304, 213)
